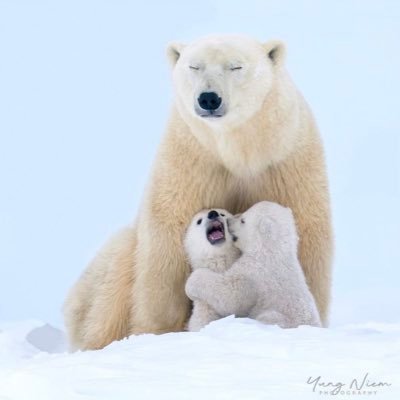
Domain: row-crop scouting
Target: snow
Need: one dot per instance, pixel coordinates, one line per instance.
(229, 359)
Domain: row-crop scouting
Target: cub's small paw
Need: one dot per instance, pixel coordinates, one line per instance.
(195, 284)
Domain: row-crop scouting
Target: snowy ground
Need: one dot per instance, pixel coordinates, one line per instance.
(229, 359)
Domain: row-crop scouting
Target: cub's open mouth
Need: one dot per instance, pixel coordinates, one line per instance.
(215, 232)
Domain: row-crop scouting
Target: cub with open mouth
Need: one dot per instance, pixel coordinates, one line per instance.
(209, 244)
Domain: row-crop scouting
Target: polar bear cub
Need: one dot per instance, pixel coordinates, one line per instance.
(266, 282)
(209, 244)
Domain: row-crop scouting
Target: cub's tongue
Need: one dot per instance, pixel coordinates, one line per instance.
(215, 235)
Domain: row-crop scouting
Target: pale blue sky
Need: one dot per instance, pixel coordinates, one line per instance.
(84, 96)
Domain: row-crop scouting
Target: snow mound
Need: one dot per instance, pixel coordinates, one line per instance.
(48, 339)
(229, 359)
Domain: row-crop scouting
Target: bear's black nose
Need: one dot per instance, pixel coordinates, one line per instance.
(209, 101)
(213, 214)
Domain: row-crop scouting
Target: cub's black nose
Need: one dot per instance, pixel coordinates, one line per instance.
(209, 101)
(213, 214)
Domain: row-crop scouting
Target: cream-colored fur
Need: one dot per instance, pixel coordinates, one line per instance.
(265, 147)
(97, 306)
(266, 283)
(215, 256)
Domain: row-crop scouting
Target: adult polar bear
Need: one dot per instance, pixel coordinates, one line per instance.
(240, 132)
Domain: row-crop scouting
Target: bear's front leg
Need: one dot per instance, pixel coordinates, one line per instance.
(185, 180)
(159, 301)
(301, 184)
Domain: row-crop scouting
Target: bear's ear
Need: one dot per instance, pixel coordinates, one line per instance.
(174, 51)
(276, 51)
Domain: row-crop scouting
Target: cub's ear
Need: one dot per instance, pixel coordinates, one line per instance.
(264, 226)
(290, 211)
(276, 51)
(174, 51)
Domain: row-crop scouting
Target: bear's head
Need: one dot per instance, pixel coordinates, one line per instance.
(208, 243)
(224, 80)
(266, 226)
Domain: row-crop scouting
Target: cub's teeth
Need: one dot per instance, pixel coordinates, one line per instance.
(216, 235)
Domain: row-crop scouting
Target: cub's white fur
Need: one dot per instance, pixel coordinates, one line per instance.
(216, 257)
(266, 283)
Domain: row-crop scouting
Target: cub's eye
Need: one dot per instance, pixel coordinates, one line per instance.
(195, 68)
(242, 221)
(199, 221)
(235, 68)
(222, 215)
